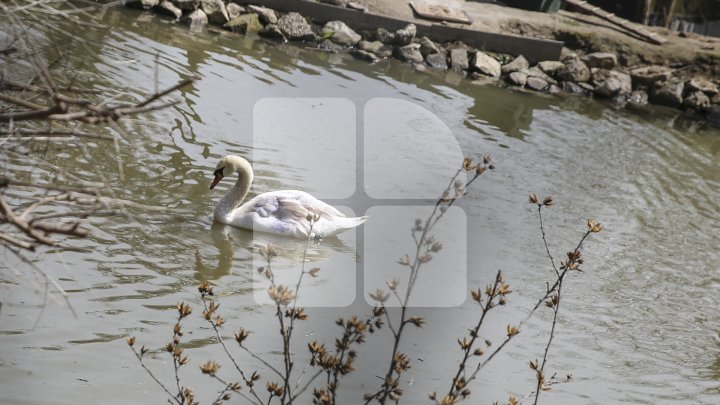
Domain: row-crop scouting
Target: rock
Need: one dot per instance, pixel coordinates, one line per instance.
(436, 60)
(536, 83)
(648, 75)
(573, 70)
(148, 4)
(668, 92)
(341, 3)
(404, 36)
(574, 88)
(619, 100)
(409, 53)
(587, 86)
(267, 15)
(427, 47)
(713, 115)
(603, 60)
(330, 46)
(459, 59)
(272, 31)
(356, 5)
(376, 47)
(485, 64)
(295, 27)
(234, 10)
(215, 11)
(702, 84)
(567, 53)
(186, 5)
(519, 63)
(167, 7)
(519, 78)
(715, 99)
(638, 98)
(245, 23)
(697, 100)
(609, 83)
(385, 36)
(364, 55)
(536, 72)
(550, 66)
(196, 18)
(553, 89)
(341, 33)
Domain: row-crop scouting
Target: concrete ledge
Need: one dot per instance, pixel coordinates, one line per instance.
(532, 48)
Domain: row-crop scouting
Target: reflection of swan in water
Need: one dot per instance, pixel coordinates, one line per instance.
(283, 212)
(290, 251)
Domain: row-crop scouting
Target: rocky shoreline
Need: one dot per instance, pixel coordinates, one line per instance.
(594, 74)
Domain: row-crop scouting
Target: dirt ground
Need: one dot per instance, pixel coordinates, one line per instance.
(689, 56)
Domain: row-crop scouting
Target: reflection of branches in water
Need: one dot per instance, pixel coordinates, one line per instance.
(40, 104)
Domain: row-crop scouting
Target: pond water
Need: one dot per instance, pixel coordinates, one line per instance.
(639, 325)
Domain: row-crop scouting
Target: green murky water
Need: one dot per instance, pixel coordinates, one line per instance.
(639, 326)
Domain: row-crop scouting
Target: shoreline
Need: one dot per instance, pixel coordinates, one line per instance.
(623, 77)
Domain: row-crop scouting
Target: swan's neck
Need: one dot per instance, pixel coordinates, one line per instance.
(235, 196)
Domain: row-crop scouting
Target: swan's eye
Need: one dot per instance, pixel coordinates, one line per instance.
(219, 172)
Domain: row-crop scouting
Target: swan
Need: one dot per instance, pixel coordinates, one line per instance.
(284, 212)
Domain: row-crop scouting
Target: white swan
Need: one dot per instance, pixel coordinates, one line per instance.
(284, 212)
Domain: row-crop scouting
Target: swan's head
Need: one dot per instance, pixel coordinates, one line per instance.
(231, 164)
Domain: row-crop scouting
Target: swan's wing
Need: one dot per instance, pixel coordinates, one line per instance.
(290, 205)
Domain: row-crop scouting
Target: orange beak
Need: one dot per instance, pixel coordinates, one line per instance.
(215, 181)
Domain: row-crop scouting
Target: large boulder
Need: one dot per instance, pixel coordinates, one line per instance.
(697, 100)
(648, 75)
(245, 23)
(518, 78)
(536, 83)
(376, 47)
(517, 64)
(234, 10)
(267, 15)
(405, 35)
(485, 64)
(702, 84)
(603, 60)
(436, 60)
(573, 70)
(459, 59)
(668, 92)
(609, 83)
(427, 47)
(341, 33)
(409, 53)
(385, 36)
(550, 66)
(215, 10)
(537, 72)
(295, 27)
